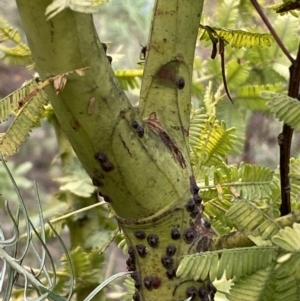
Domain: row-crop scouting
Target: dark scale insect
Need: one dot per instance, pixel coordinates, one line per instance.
(156, 282)
(136, 296)
(96, 182)
(189, 235)
(167, 261)
(104, 47)
(211, 290)
(180, 83)
(202, 293)
(190, 205)
(197, 199)
(171, 273)
(206, 224)
(134, 124)
(109, 58)
(191, 292)
(131, 252)
(153, 240)
(140, 131)
(140, 234)
(171, 250)
(175, 234)
(137, 284)
(142, 250)
(135, 276)
(148, 282)
(195, 212)
(107, 166)
(104, 163)
(194, 188)
(101, 157)
(130, 264)
(106, 198)
(130, 261)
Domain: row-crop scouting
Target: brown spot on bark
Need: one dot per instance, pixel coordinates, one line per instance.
(75, 124)
(125, 146)
(122, 114)
(157, 128)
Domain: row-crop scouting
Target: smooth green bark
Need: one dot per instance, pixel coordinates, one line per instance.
(148, 178)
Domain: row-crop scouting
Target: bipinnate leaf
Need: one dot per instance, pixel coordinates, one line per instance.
(285, 108)
(235, 262)
(254, 287)
(246, 216)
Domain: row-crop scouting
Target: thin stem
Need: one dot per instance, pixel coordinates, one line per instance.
(271, 29)
(285, 140)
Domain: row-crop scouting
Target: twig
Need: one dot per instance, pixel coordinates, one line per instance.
(285, 140)
(271, 29)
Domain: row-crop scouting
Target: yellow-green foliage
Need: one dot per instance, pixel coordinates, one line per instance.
(19, 54)
(238, 38)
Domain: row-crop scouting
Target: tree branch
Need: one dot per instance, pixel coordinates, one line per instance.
(121, 154)
(285, 140)
(166, 87)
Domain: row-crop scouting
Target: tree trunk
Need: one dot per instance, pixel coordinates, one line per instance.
(139, 161)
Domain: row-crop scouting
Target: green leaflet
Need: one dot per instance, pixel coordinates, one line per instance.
(9, 104)
(237, 74)
(287, 269)
(87, 268)
(129, 285)
(247, 216)
(257, 286)
(235, 262)
(27, 103)
(248, 96)
(18, 55)
(284, 108)
(227, 13)
(240, 38)
(210, 141)
(248, 180)
(288, 238)
(129, 79)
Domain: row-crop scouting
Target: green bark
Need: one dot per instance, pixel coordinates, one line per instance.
(139, 161)
(84, 226)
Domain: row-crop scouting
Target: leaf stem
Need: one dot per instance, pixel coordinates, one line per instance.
(271, 29)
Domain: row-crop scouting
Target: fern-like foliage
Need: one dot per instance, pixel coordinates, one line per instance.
(246, 216)
(82, 6)
(19, 54)
(284, 108)
(235, 262)
(210, 141)
(27, 104)
(248, 181)
(257, 286)
(87, 268)
(130, 286)
(288, 265)
(249, 96)
(237, 38)
(9, 105)
(129, 79)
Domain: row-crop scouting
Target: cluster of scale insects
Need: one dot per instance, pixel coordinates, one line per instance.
(205, 292)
